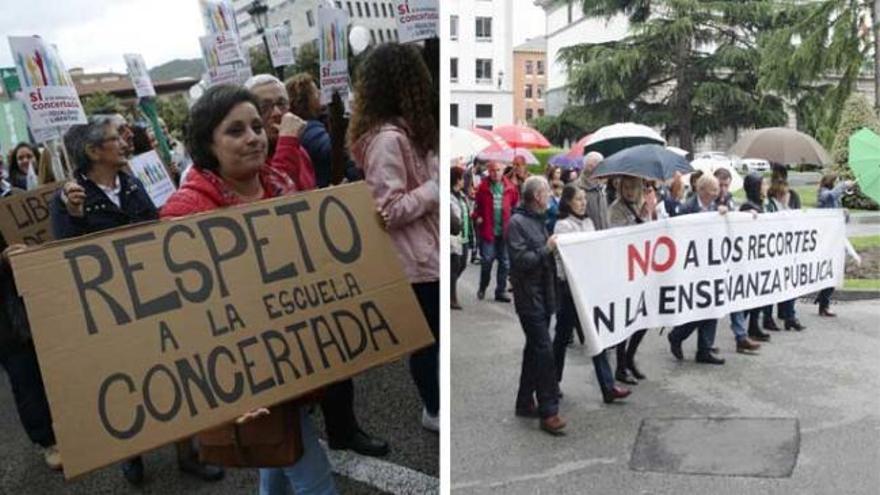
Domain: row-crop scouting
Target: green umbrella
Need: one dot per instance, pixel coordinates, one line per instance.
(864, 160)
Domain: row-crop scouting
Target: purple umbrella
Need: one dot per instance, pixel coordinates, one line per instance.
(566, 162)
(507, 155)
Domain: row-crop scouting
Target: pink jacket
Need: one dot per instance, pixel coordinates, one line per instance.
(405, 185)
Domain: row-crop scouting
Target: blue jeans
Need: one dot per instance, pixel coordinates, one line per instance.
(738, 325)
(705, 334)
(603, 372)
(785, 310)
(310, 475)
(489, 252)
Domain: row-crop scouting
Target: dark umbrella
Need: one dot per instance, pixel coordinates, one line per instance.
(648, 161)
(564, 161)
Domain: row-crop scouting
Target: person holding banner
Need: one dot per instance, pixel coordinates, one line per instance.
(103, 196)
(780, 198)
(23, 166)
(703, 200)
(229, 145)
(396, 144)
(754, 187)
(533, 274)
(573, 218)
(828, 196)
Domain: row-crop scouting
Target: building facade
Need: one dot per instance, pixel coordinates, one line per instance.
(480, 48)
(529, 80)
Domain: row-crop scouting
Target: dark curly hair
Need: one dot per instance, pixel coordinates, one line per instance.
(299, 91)
(206, 114)
(392, 83)
(15, 174)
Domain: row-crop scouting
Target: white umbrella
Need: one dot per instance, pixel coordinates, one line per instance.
(678, 151)
(464, 143)
(709, 166)
(613, 138)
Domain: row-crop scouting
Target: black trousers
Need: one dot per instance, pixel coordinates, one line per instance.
(424, 365)
(23, 370)
(538, 374)
(338, 409)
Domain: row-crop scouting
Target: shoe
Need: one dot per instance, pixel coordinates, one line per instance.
(675, 348)
(635, 371)
(205, 472)
(746, 346)
(624, 376)
(757, 334)
(502, 298)
(770, 324)
(530, 411)
(825, 312)
(430, 422)
(362, 443)
(615, 393)
(455, 305)
(52, 457)
(794, 324)
(481, 294)
(133, 470)
(553, 425)
(708, 358)
(714, 350)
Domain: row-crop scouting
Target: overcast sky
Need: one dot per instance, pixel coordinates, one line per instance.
(94, 34)
(528, 21)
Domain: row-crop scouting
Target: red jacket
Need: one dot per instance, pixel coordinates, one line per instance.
(293, 159)
(484, 207)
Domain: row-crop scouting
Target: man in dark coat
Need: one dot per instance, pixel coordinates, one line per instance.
(533, 274)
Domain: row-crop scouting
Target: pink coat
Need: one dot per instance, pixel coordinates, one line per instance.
(405, 184)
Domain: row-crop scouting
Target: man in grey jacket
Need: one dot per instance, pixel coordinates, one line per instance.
(597, 201)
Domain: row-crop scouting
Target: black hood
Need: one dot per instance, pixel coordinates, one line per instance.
(752, 187)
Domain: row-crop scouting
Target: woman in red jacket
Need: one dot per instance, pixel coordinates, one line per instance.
(494, 201)
(228, 144)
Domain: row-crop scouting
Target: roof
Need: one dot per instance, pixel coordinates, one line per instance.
(538, 44)
(122, 87)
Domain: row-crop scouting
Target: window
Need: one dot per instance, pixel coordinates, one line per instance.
(390, 35)
(391, 9)
(375, 10)
(540, 91)
(360, 11)
(384, 11)
(529, 67)
(540, 67)
(367, 9)
(381, 36)
(310, 18)
(484, 28)
(484, 70)
(453, 114)
(528, 91)
(570, 12)
(372, 35)
(338, 4)
(453, 27)
(484, 111)
(453, 69)
(350, 12)
(540, 112)
(529, 114)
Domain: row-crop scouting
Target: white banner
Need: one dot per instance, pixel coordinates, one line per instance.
(218, 16)
(140, 77)
(697, 267)
(333, 51)
(149, 169)
(47, 89)
(417, 19)
(221, 49)
(280, 46)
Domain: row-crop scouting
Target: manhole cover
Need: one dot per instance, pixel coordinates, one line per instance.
(762, 447)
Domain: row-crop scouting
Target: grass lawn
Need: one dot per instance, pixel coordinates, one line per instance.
(862, 284)
(864, 242)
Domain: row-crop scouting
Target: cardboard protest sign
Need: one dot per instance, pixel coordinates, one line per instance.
(280, 46)
(697, 267)
(333, 52)
(150, 334)
(24, 217)
(148, 167)
(417, 19)
(140, 76)
(50, 97)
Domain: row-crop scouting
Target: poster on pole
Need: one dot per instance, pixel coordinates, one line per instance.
(280, 46)
(217, 72)
(49, 94)
(697, 267)
(417, 20)
(150, 334)
(218, 16)
(223, 49)
(140, 76)
(148, 167)
(333, 52)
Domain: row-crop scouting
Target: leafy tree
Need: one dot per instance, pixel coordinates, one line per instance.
(689, 66)
(857, 114)
(306, 61)
(175, 112)
(260, 60)
(572, 124)
(101, 102)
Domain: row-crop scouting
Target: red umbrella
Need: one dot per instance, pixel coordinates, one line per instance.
(498, 144)
(578, 149)
(520, 136)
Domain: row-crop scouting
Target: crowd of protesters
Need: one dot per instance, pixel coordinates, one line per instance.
(502, 216)
(260, 140)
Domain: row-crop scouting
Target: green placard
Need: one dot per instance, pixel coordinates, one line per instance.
(11, 84)
(13, 125)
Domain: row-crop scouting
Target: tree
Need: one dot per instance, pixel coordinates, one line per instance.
(101, 102)
(572, 124)
(260, 60)
(857, 114)
(688, 66)
(306, 61)
(175, 112)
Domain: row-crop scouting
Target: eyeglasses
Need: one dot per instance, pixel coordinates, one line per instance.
(266, 106)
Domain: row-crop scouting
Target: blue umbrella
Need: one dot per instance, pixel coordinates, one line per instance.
(648, 161)
(563, 161)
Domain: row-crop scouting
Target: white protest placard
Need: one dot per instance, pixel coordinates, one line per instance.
(280, 46)
(218, 16)
(140, 77)
(49, 94)
(149, 169)
(221, 49)
(697, 267)
(333, 52)
(417, 19)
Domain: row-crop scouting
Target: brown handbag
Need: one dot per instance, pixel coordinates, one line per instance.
(274, 440)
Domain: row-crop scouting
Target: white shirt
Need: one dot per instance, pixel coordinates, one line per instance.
(112, 193)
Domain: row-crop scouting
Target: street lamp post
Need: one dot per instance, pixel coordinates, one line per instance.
(259, 13)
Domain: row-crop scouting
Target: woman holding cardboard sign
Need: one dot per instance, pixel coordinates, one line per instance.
(229, 145)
